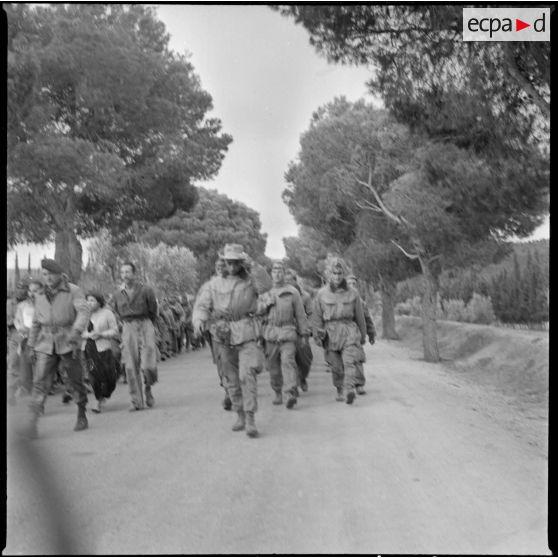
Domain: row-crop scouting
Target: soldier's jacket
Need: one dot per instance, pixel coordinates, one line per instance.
(59, 313)
(230, 304)
(308, 303)
(285, 318)
(339, 316)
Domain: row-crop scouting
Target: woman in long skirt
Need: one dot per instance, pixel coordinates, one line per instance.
(97, 348)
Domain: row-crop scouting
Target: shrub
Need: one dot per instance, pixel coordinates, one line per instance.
(455, 310)
(403, 309)
(479, 310)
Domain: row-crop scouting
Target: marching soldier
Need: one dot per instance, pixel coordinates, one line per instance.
(231, 303)
(338, 323)
(304, 354)
(285, 322)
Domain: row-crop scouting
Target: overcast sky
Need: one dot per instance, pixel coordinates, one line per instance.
(266, 81)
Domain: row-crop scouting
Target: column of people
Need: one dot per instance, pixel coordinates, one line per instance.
(249, 319)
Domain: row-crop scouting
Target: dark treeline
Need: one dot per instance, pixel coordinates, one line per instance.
(518, 286)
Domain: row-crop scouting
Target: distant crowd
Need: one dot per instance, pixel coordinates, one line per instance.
(59, 338)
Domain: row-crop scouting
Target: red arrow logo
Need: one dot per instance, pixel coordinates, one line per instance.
(519, 25)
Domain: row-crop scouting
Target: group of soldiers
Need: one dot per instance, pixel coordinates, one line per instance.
(250, 320)
(254, 324)
(173, 326)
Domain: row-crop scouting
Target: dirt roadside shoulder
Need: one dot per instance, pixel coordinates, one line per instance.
(507, 369)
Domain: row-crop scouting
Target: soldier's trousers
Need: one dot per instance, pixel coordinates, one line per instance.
(303, 359)
(360, 379)
(217, 361)
(344, 366)
(281, 362)
(240, 365)
(139, 352)
(44, 372)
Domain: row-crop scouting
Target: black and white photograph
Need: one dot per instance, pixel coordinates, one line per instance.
(277, 279)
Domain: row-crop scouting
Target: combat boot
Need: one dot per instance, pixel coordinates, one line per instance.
(251, 430)
(278, 398)
(350, 397)
(81, 423)
(227, 403)
(240, 421)
(149, 399)
(360, 390)
(339, 395)
(291, 401)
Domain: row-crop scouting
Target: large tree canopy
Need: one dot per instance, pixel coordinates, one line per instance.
(215, 221)
(432, 200)
(106, 125)
(418, 50)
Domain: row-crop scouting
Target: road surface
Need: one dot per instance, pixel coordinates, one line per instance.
(424, 463)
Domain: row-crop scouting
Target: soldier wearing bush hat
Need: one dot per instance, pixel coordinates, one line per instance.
(228, 306)
(61, 314)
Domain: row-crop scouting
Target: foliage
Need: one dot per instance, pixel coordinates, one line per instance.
(305, 254)
(479, 310)
(215, 221)
(171, 270)
(418, 57)
(518, 286)
(359, 169)
(106, 125)
(455, 310)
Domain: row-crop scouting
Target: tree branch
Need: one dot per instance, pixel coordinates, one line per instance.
(523, 82)
(399, 220)
(410, 256)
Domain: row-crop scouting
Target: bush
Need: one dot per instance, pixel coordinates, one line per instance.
(479, 310)
(402, 309)
(455, 310)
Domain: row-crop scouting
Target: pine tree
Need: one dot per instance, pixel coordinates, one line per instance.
(29, 264)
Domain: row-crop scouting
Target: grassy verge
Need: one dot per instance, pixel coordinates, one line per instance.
(515, 362)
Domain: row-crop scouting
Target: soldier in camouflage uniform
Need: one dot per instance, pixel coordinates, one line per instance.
(230, 303)
(339, 325)
(285, 323)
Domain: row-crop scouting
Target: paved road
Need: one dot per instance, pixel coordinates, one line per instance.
(424, 463)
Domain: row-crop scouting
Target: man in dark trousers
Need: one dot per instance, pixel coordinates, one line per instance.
(61, 315)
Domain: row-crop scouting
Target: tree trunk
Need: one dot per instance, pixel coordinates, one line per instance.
(429, 308)
(388, 312)
(68, 252)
